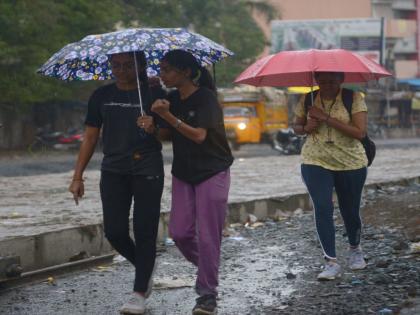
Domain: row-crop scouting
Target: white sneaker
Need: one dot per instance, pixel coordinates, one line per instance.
(135, 305)
(331, 271)
(356, 260)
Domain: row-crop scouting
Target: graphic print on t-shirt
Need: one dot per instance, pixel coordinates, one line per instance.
(127, 148)
(129, 105)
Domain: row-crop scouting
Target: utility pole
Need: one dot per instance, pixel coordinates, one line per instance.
(418, 37)
(383, 61)
(382, 49)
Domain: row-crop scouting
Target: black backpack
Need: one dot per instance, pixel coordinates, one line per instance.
(347, 96)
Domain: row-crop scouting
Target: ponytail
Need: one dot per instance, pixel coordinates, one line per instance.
(205, 79)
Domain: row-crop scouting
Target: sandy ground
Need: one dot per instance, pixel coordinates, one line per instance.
(40, 203)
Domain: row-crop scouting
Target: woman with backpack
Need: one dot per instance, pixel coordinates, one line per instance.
(333, 158)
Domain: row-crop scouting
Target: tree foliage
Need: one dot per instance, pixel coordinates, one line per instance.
(31, 31)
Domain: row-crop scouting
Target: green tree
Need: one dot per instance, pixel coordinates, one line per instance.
(31, 31)
(228, 22)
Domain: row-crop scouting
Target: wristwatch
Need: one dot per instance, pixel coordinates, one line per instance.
(178, 123)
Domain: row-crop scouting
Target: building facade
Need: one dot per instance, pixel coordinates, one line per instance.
(401, 52)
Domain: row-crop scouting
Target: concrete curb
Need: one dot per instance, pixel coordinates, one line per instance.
(71, 244)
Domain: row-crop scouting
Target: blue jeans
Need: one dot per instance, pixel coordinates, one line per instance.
(348, 186)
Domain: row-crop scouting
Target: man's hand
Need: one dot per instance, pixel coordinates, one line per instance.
(146, 122)
(77, 188)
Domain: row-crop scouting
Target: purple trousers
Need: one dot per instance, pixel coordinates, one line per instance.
(196, 225)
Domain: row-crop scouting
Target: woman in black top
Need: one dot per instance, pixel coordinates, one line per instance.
(200, 168)
(132, 169)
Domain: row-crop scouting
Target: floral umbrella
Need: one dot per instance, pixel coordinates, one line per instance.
(88, 59)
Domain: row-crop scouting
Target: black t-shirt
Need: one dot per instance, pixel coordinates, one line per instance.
(127, 148)
(194, 163)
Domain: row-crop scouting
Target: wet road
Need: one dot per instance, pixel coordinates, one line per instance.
(24, 164)
(39, 203)
(266, 270)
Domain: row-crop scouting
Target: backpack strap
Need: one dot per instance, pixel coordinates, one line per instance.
(308, 100)
(347, 97)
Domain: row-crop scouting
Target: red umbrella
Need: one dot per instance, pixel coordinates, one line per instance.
(296, 68)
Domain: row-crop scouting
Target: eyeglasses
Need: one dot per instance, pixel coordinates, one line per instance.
(128, 66)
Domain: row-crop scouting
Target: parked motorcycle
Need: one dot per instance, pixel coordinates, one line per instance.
(56, 140)
(287, 142)
(69, 141)
(375, 130)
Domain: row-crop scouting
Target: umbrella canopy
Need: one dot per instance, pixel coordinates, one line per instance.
(88, 59)
(296, 68)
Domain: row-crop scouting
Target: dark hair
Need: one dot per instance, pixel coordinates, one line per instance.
(339, 75)
(183, 60)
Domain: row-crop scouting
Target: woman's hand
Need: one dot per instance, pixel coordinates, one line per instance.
(77, 188)
(311, 125)
(161, 107)
(146, 122)
(317, 113)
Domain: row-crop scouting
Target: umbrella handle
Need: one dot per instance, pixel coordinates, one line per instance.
(138, 84)
(312, 88)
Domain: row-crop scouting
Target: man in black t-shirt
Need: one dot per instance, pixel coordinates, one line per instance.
(132, 169)
(116, 112)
